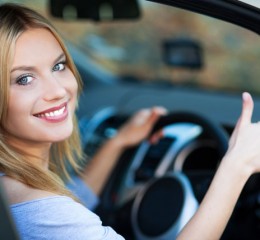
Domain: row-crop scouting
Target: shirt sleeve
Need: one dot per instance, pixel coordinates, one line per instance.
(83, 192)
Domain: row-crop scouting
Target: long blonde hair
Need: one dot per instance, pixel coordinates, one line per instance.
(14, 20)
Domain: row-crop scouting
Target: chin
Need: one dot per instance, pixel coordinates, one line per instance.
(62, 137)
(59, 136)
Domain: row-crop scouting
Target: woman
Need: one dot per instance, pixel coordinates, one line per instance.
(39, 88)
(39, 131)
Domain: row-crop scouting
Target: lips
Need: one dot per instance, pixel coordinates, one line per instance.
(55, 114)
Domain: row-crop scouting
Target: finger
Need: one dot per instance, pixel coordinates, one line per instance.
(156, 112)
(247, 109)
(148, 116)
(160, 110)
(156, 137)
(141, 117)
(245, 117)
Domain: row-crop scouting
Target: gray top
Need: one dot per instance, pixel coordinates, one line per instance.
(59, 218)
(62, 218)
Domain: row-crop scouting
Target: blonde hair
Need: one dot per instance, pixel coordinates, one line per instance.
(14, 20)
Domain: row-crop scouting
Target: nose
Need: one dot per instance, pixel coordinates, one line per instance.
(53, 89)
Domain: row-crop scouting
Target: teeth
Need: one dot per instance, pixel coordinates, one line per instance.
(53, 114)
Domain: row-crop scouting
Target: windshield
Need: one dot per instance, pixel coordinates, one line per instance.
(168, 45)
(254, 3)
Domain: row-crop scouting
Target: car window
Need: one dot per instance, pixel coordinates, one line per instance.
(170, 46)
(254, 3)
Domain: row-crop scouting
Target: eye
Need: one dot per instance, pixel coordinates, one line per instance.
(24, 80)
(59, 67)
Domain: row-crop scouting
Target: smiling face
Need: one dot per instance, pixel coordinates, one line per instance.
(43, 91)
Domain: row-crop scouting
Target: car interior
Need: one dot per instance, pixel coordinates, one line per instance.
(8, 230)
(195, 58)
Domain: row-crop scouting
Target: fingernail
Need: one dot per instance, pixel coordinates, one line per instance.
(160, 110)
(245, 96)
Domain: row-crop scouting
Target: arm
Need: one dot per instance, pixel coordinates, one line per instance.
(239, 163)
(131, 133)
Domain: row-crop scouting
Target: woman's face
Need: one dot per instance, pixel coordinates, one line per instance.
(43, 90)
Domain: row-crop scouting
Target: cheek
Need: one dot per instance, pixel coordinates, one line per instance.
(17, 104)
(72, 88)
(22, 98)
(17, 110)
(21, 104)
(68, 80)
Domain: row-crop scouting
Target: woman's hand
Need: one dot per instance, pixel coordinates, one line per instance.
(138, 127)
(239, 163)
(244, 145)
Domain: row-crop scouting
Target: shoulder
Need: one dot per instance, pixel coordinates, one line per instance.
(43, 215)
(18, 192)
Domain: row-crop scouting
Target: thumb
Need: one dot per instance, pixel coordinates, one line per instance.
(247, 109)
(245, 117)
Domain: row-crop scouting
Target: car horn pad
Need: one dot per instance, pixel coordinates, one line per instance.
(162, 207)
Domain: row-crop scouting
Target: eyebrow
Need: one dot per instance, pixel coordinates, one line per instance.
(31, 68)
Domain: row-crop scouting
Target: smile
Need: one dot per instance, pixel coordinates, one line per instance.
(56, 114)
(52, 114)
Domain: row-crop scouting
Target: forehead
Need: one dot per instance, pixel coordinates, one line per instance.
(35, 45)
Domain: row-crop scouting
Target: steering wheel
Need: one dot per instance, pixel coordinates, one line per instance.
(164, 204)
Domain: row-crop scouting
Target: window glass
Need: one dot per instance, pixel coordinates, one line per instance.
(163, 46)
